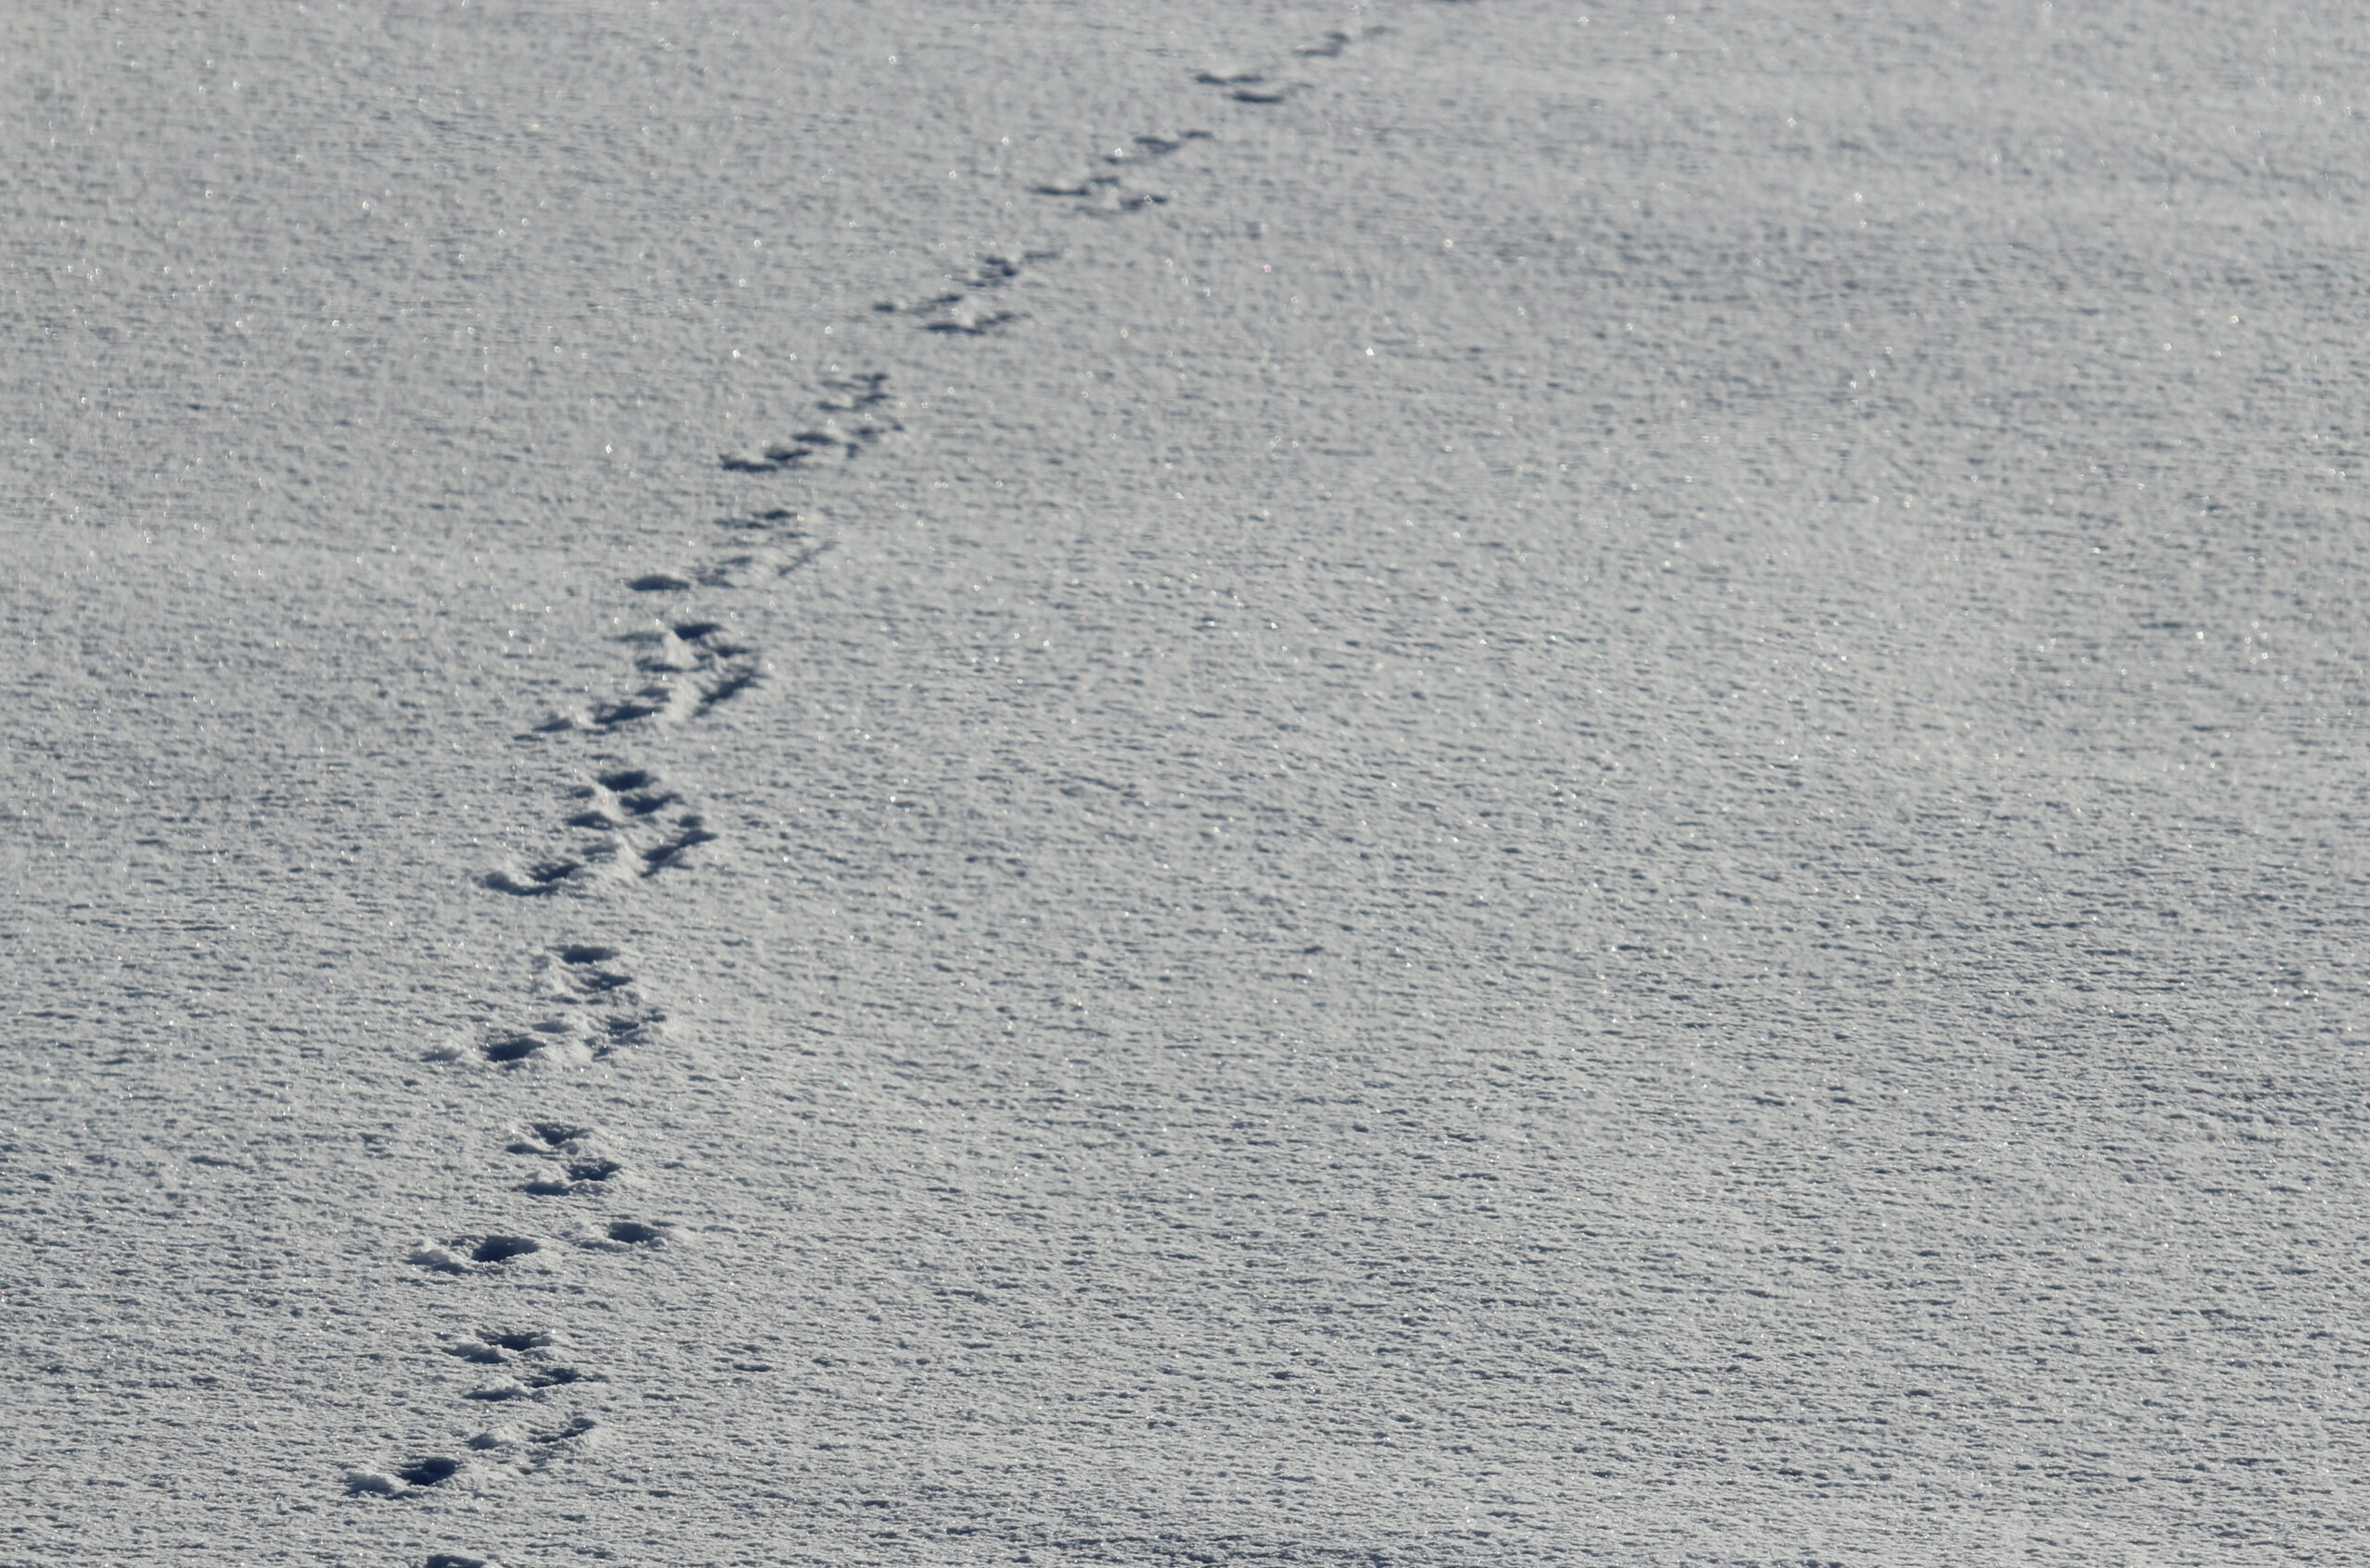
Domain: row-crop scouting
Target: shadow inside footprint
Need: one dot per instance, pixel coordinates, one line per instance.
(647, 703)
(725, 687)
(1331, 45)
(428, 1472)
(554, 1042)
(638, 790)
(863, 391)
(973, 326)
(634, 1233)
(618, 797)
(580, 1177)
(637, 1029)
(536, 881)
(502, 1249)
(549, 1136)
(532, 1381)
(419, 1472)
(572, 1430)
(689, 834)
(494, 1348)
(770, 520)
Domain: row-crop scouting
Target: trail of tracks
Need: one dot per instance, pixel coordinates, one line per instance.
(626, 826)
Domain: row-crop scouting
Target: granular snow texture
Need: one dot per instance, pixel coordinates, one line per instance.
(1075, 782)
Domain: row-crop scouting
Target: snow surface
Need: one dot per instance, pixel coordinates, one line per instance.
(1074, 781)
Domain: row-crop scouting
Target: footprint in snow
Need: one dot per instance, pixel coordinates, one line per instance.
(1250, 86)
(1334, 44)
(473, 1254)
(528, 1356)
(692, 668)
(403, 1480)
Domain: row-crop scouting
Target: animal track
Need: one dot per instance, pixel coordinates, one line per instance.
(1101, 195)
(538, 880)
(634, 824)
(916, 307)
(995, 271)
(1142, 148)
(494, 1347)
(606, 1014)
(561, 1041)
(576, 1178)
(539, 1449)
(855, 421)
(469, 1254)
(806, 446)
(529, 1383)
(637, 836)
(689, 833)
(1250, 86)
(992, 272)
(583, 972)
(854, 394)
(622, 796)
(571, 1041)
(416, 1475)
(773, 517)
(580, 1171)
(614, 1011)
(627, 799)
(548, 1138)
(1334, 42)
(972, 323)
(526, 1355)
(693, 665)
(800, 560)
(738, 570)
(957, 310)
(535, 1450)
